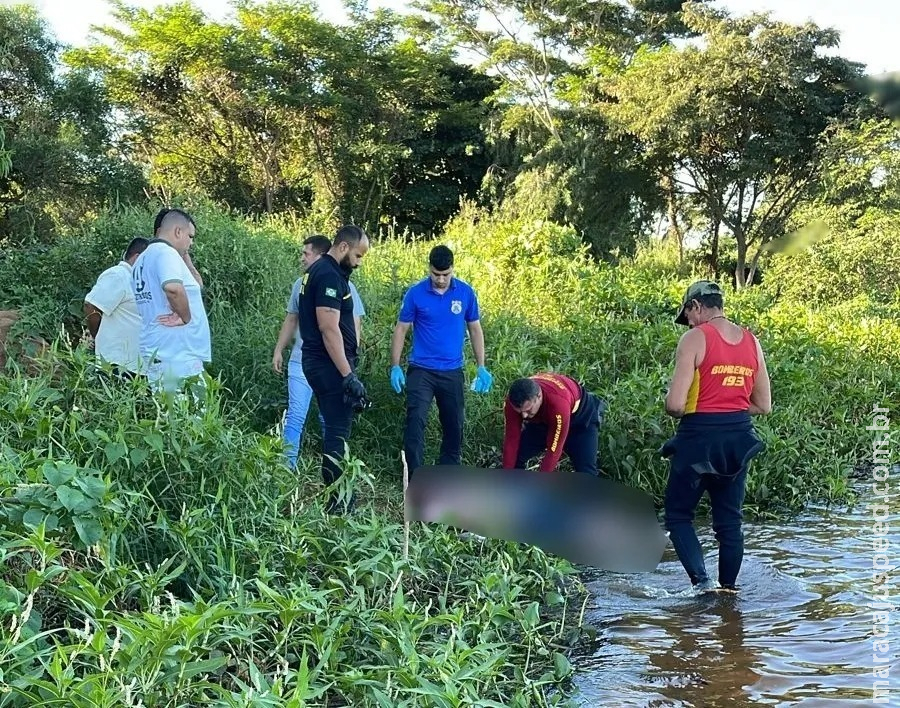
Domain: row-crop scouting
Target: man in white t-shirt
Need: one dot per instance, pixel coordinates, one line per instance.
(175, 338)
(112, 316)
(157, 223)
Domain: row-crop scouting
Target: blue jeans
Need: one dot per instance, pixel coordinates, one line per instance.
(300, 395)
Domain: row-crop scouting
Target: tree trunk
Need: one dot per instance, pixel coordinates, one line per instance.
(741, 239)
(751, 274)
(674, 229)
(714, 247)
(365, 214)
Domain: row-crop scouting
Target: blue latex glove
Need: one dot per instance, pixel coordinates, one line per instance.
(483, 381)
(398, 379)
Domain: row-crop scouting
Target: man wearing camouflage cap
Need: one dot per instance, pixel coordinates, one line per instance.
(719, 381)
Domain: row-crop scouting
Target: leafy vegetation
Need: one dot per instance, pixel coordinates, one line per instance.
(848, 247)
(58, 155)
(166, 555)
(707, 116)
(161, 554)
(546, 305)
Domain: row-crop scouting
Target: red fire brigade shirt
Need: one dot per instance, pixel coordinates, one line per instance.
(561, 398)
(724, 380)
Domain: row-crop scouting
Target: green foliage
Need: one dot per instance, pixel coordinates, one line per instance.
(860, 264)
(160, 553)
(547, 127)
(853, 253)
(60, 498)
(278, 109)
(738, 120)
(58, 159)
(216, 578)
(200, 567)
(5, 155)
(545, 305)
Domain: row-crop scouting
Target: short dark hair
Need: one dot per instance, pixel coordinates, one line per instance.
(137, 246)
(441, 258)
(175, 217)
(320, 244)
(522, 390)
(349, 234)
(712, 301)
(157, 222)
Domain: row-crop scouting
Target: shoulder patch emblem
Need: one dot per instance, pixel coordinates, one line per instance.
(330, 292)
(456, 307)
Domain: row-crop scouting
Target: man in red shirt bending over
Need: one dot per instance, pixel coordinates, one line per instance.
(551, 413)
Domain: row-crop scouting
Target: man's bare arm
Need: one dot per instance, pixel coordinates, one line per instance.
(329, 321)
(92, 315)
(398, 339)
(761, 395)
(476, 334)
(178, 300)
(191, 267)
(688, 355)
(288, 330)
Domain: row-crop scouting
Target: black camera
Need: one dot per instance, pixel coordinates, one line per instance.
(357, 403)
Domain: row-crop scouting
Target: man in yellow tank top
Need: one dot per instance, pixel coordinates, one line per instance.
(720, 380)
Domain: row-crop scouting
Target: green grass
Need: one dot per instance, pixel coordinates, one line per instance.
(164, 554)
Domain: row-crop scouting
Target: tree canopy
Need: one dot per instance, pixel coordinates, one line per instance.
(617, 118)
(741, 121)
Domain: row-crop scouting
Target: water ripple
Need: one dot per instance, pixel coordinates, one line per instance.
(799, 633)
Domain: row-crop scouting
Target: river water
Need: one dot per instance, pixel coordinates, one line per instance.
(799, 633)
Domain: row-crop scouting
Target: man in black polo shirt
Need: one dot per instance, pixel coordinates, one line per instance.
(329, 348)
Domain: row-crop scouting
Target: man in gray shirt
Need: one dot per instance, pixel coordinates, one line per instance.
(299, 391)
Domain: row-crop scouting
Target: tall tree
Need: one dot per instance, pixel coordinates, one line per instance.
(741, 119)
(60, 158)
(277, 108)
(546, 54)
(847, 242)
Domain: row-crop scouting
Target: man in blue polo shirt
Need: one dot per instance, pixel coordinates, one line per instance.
(440, 309)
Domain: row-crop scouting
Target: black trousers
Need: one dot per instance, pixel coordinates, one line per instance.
(711, 452)
(327, 386)
(447, 388)
(581, 443)
(118, 374)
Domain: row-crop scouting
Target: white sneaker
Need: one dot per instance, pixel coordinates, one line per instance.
(705, 587)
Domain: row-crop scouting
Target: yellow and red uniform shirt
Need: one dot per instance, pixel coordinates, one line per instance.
(724, 380)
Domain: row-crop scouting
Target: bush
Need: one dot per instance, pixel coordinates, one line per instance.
(859, 262)
(545, 305)
(165, 553)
